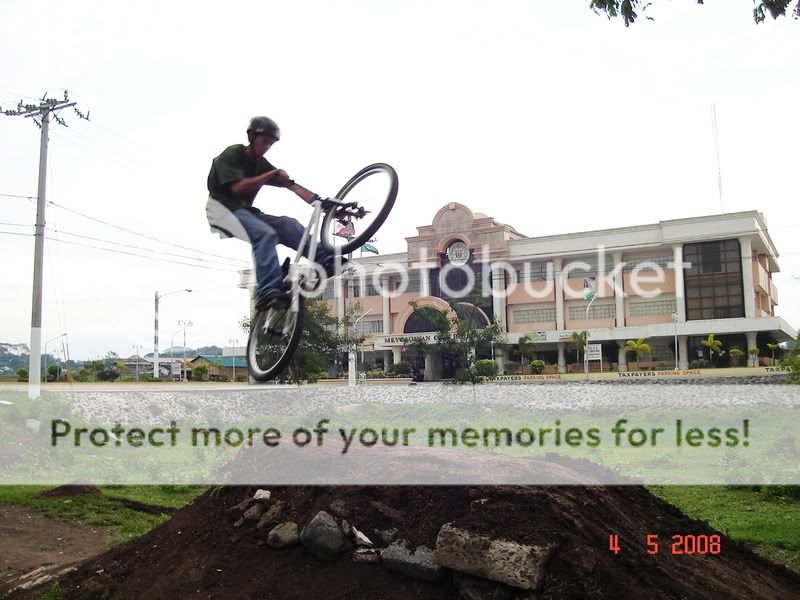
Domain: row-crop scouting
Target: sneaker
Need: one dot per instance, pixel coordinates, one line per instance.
(273, 297)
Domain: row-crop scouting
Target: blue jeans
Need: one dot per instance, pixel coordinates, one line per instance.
(265, 232)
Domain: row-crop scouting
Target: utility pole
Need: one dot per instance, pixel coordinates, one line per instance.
(156, 372)
(41, 114)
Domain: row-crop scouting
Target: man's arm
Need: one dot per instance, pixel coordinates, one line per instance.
(253, 184)
(307, 195)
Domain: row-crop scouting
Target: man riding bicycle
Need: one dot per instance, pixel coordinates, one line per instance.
(235, 178)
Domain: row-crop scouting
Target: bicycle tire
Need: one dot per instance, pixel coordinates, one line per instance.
(260, 373)
(367, 234)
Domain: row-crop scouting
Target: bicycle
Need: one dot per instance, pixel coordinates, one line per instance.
(275, 332)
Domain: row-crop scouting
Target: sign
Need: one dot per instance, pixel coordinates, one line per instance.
(402, 340)
(458, 253)
(594, 352)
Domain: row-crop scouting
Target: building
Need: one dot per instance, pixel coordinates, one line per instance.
(223, 368)
(672, 282)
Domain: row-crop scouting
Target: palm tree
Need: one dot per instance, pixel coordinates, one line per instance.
(638, 347)
(772, 348)
(753, 352)
(713, 345)
(580, 342)
(526, 347)
(736, 354)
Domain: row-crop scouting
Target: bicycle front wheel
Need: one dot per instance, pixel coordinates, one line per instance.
(274, 336)
(373, 188)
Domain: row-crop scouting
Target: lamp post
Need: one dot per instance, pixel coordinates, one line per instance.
(590, 295)
(675, 318)
(351, 375)
(233, 343)
(184, 325)
(45, 353)
(158, 296)
(137, 348)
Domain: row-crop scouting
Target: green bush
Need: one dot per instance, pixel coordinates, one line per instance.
(793, 362)
(700, 363)
(200, 373)
(375, 374)
(403, 368)
(486, 367)
(145, 377)
(107, 375)
(537, 366)
(82, 375)
(22, 374)
(511, 369)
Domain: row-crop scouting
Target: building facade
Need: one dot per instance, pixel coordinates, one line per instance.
(672, 283)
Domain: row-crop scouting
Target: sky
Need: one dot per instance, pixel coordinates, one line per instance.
(550, 119)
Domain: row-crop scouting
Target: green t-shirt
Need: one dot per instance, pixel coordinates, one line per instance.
(234, 164)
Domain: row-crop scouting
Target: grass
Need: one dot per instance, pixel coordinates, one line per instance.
(769, 525)
(105, 511)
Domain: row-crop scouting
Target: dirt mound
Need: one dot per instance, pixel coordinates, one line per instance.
(71, 491)
(205, 552)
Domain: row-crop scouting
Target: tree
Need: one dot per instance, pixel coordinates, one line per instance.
(52, 372)
(526, 348)
(22, 374)
(638, 347)
(323, 336)
(200, 372)
(713, 345)
(772, 348)
(110, 359)
(580, 342)
(627, 9)
(94, 367)
(753, 352)
(736, 355)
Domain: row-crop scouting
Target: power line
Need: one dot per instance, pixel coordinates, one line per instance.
(19, 196)
(17, 224)
(94, 239)
(139, 255)
(15, 233)
(149, 237)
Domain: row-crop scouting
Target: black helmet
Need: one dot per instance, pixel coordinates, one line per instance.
(263, 125)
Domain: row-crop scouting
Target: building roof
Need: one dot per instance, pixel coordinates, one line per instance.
(224, 361)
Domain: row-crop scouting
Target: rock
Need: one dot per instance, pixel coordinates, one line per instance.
(419, 564)
(234, 512)
(254, 512)
(283, 535)
(367, 555)
(346, 528)
(385, 536)
(517, 565)
(235, 538)
(271, 516)
(323, 537)
(262, 495)
(474, 588)
(360, 539)
(339, 508)
(239, 523)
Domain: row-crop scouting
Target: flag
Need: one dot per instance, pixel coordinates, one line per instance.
(347, 231)
(370, 248)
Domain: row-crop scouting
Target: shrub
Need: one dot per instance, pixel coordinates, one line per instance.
(375, 374)
(107, 375)
(145, 377)
(700, 363)
(793, 362)
(403, 368)
(537, 366)
(82, 375)
(486, 368)
(511, 369)
(200, 372)
(22, 374)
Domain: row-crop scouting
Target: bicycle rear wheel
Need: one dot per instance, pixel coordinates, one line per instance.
(274, 336)
(374, 188)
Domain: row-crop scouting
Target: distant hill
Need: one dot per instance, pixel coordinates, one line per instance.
(14, 356)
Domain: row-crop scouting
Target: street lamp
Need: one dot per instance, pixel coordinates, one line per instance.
(351, 375)
(590, 295)
(184, 325)
(58, 337)
(234, 344)
(137, 348)
(158, 296)
(675, 318)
